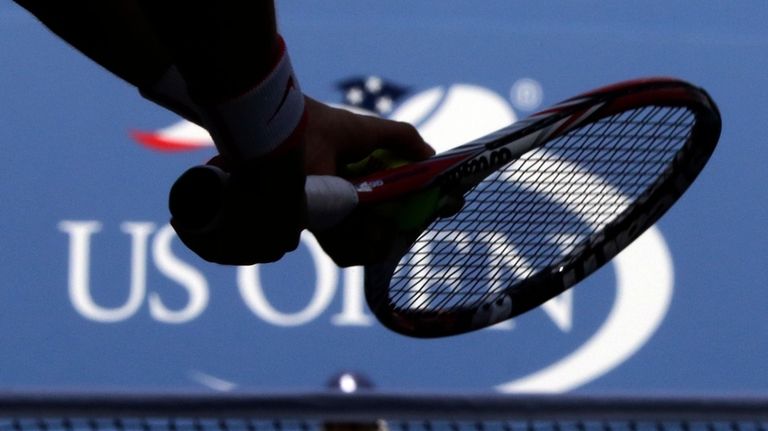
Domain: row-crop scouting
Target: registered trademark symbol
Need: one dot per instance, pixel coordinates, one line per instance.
(526, 94)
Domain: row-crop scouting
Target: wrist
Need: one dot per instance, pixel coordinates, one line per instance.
(262, 119)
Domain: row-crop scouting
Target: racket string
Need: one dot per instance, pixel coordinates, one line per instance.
(538, 210)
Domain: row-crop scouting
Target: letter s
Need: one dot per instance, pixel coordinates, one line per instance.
(182, 273)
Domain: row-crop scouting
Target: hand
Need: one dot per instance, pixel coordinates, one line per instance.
(253, 215)
(336, 138)
(260, 212)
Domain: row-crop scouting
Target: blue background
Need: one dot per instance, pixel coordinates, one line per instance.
(68, 155)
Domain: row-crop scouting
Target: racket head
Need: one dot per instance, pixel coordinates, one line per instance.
(549, 200)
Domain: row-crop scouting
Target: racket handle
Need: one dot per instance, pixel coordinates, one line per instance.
(195, 198)
(329, 200)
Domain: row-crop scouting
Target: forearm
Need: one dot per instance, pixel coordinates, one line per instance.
(222, 49)
(113, 33)
(167, 49)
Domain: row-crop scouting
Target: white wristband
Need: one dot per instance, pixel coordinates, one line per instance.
(257, 122)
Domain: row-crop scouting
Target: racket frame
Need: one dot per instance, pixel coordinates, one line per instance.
(460, 169)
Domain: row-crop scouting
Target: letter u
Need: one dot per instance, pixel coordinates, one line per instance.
(80, 233)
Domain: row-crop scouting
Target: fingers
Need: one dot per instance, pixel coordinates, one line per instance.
(363, 239)
(336, 136)
(400, 138)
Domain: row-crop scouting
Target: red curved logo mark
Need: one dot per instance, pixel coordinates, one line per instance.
(179, 137)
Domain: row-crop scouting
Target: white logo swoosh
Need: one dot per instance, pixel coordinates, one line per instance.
(644, 283)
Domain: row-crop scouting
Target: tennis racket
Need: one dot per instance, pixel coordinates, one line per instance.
(546, 202)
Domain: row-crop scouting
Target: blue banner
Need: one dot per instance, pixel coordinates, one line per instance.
(98, 293)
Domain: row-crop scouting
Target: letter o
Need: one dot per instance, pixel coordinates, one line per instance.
(249, 284)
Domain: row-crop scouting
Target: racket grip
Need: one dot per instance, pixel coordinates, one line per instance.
(196, 197)
(329, 200)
